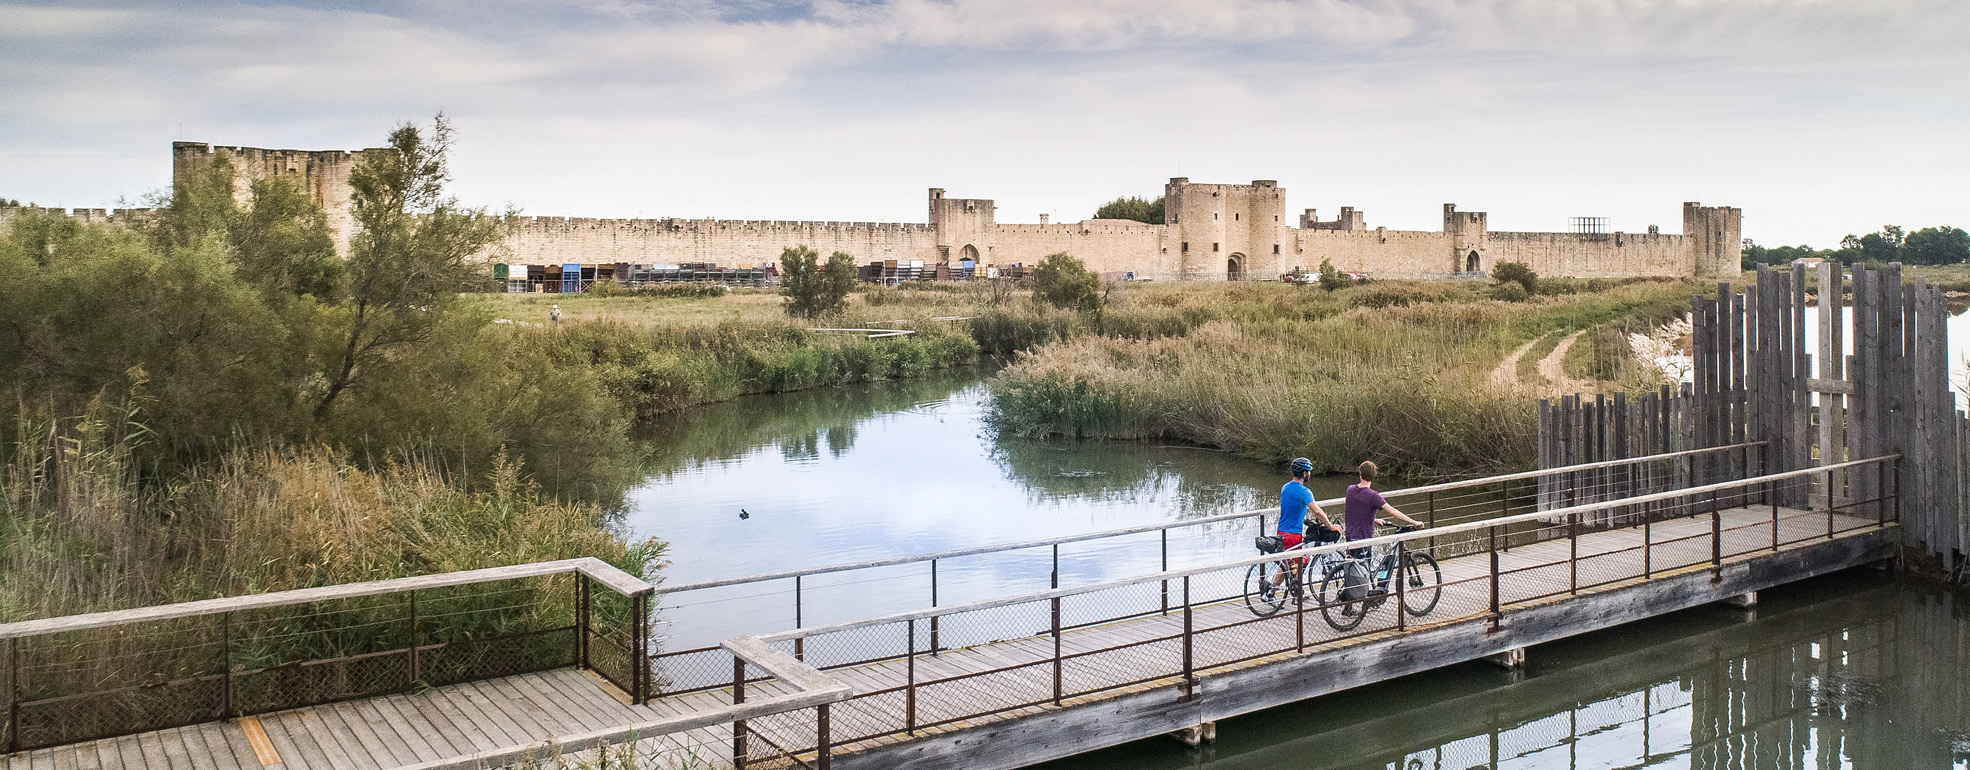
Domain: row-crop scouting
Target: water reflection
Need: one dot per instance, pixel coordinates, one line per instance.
(1846, 672)
(888, 469)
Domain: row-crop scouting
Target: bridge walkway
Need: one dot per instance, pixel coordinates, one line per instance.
(1014, 670)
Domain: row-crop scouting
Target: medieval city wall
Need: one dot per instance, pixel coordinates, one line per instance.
(1381, 253)
(539, 240)
(1105, 246)
(1575, 255)
(322, 174)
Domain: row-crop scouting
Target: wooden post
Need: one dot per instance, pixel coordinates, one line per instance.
(1716, 540)
(910, 677)
(1189, 670)
(1166, 568)
(226, 665)
(13, 695)
(639, 665)
(1573, 553)
(417, 673)
(1056, 555)
(1056, 651)
(1495, 613)
(799, 642)
(1401, 580)
(935, 644)
(823, 755)
(1648, 546)
(739, 725)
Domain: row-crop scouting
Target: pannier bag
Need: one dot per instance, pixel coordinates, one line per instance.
(1354, 580)
(1324, 535)
(1268, 543)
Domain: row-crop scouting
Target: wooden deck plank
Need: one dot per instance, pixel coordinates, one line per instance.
(423, 738)
(388, 743)
(464, 730)
(288, 745)
(335, 748)
(521, 727)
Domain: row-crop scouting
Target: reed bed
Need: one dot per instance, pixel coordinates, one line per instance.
(1398, 377)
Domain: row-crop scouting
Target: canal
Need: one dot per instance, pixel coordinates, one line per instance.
(1852, 671)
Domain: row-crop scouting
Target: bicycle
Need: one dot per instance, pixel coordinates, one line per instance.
(1265, 597)
(1347, 595)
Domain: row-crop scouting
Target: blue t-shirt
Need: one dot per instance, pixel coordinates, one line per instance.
(1293, 501)
(1363, 504)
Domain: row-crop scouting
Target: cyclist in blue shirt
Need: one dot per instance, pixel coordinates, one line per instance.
(1295, 500)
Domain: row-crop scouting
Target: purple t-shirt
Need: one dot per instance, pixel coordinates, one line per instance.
(1362, 506)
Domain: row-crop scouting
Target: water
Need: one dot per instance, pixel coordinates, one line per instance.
(887, 469)
(1850, 671)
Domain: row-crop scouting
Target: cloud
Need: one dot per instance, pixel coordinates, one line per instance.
(847, 109)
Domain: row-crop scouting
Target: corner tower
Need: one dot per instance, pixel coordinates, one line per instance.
(1715, 235)
(965, 227)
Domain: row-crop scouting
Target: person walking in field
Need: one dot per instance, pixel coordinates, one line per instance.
(554, 314)
(1363, 505)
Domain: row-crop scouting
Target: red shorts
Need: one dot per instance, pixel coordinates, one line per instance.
(1289, 539)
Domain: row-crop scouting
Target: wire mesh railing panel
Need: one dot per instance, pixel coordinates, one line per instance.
(1122, 666)
(783, 740)
(991, 691)
(687, 671)
(98, 683)
(869, 715)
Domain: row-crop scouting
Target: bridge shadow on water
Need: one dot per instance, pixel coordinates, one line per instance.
(1851, 670)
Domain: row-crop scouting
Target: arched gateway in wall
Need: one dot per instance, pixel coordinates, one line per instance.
(1234, 268)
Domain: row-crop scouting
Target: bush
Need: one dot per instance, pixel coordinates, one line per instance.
(1063, 282)
(1517, 272)
(812, 289)
(1511, 292)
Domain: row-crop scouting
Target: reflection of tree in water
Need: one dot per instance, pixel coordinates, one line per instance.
(1198, 482)
(800, 423)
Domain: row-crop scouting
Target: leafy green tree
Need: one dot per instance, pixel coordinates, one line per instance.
(282, 243)
(407, 260)
(1516, 272)
(813, 289)
(1937, 246)
(1132, 208)
(1330, 276)
(1062, 281)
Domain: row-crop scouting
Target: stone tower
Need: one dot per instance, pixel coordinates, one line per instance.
(322, 174)
(1227, 231)
(964, 226)
(1715, 235)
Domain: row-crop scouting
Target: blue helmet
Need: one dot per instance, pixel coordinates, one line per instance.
(1301, 465)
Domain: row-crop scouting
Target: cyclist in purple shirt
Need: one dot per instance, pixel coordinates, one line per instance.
(1363, 502)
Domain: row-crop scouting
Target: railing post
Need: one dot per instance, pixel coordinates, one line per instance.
(1166, 568)
(1189, 670)
(1495, 607)
(416, 670)
(1056, 566)
(1401, 580)
(1898, 489)
(935, 644)
(823, 757)
(13, 695)
(799, 642)
(739, 725)
(1573, 553)
(1299, 613)
(1716, 540)
(226, 665)
(1648, 546)
(1771, 492)
(583, 619)
(910, 678)
(639, 665)
(1056, 651)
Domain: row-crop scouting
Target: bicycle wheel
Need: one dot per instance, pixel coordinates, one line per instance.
(1261, 596)
(1342, 615)
(1424, 583)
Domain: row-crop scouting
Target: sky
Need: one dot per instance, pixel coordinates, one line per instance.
(1817, 118)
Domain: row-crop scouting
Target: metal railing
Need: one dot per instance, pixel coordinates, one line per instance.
(939, 666)
(84, 677)
(700, 665)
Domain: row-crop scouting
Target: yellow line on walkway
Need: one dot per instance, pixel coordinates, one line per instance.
(256, 736)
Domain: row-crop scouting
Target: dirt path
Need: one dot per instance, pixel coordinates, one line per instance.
(1507, 373)
(1550, 368)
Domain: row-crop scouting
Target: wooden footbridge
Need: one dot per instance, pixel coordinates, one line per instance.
(516, 665)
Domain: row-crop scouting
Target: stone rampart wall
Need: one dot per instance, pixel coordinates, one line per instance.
(1571, 255)
(541, 240)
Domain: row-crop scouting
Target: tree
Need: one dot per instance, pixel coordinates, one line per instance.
(1937, 246)
(407, 260)
(1132, 208)
(813, 289)
(1062, 281)
(281, 242)
(1330, 276)
(1516, 272)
